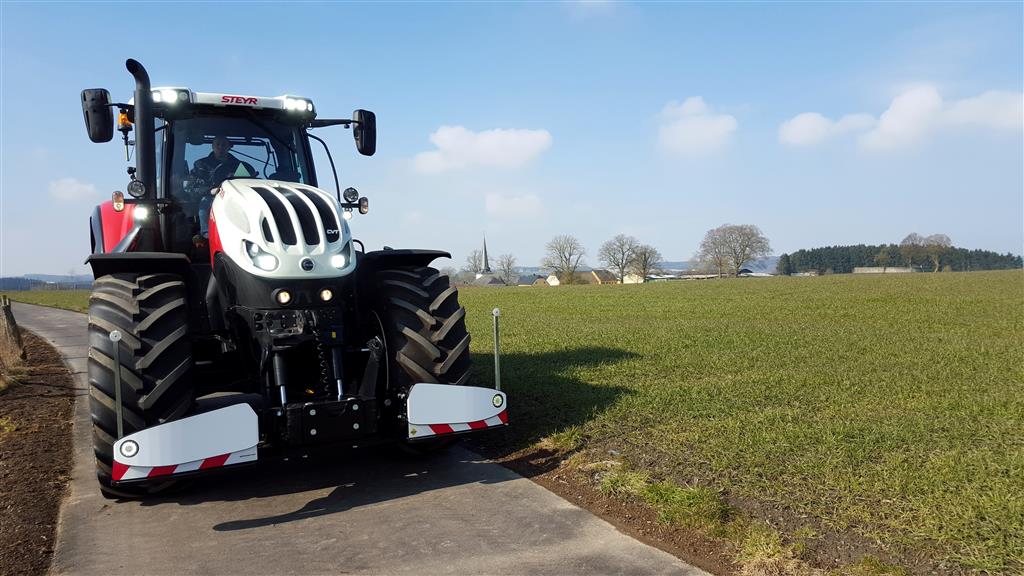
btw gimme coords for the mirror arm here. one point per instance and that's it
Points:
(337, 186)
(330, 122)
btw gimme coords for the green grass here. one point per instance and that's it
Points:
(77, 300)
(892, 406)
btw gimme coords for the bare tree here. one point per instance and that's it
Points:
(912, 248)
(474, 262)
(617, 253)
(645, 261)
(732, 246)
(712, 254)
(936, 246)
(506, 268)
(564, 256)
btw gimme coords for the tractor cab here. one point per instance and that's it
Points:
(203, 139)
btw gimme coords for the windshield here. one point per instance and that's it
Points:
(213, 149)
(206, 150)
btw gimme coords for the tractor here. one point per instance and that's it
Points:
(234, 318)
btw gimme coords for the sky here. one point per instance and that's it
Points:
(823, 124)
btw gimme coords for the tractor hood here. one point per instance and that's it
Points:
(278, 229)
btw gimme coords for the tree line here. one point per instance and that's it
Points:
(931, 253)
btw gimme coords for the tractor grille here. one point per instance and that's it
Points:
(306, 220)
(307, 204)
(331, 228)
(280, 213)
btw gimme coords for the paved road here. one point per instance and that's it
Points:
(370, 512)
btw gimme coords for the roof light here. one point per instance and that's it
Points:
(157, 97)
(141, 212)
(170, 96)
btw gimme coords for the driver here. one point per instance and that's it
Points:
(220, 164)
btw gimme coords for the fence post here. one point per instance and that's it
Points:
(9, 328)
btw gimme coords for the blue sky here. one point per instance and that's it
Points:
(820, 123)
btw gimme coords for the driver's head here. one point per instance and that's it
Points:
(221, 147)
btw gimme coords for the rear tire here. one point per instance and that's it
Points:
(425, 333)
(151, 313)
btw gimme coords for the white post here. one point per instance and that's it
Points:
(497, 351)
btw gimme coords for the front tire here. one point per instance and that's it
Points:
(155, 353)
(425, 332)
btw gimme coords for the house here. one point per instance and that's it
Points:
(604, 277)
(487, 280)
(632, 279)
(587, 277)
(527, 280)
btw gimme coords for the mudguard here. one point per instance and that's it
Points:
(436, 409)
(223, 437)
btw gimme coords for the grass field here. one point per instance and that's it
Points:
(887, 406)
(891, 406)
(77, 300)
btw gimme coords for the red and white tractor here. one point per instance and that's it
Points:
(234, 317)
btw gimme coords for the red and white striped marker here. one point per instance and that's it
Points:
(122, 472)
(425, 430)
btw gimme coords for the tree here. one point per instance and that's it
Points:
(712, 252)
(617, 253)
(449, 271)
(784, 267)
(474, 262)
(734, 245)
(936, 246)
(506, 268)
(645, 261)
(912, 248)
(564, 256)
(884, 258)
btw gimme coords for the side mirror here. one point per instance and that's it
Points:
(99, 118)
(365, 131)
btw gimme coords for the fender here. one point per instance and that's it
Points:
(140, 263)
(109, 228)
(405, 257)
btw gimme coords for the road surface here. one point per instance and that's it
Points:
(366, 512)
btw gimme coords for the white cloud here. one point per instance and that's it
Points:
(458, 147)
(910, 118)
(813, 128)
(691, 128)
(71, 189)
(524, 206)
(1003, 110)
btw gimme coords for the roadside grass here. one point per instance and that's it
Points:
(12, 366)
(891, 407)
(77, 300)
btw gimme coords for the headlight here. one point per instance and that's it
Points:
(260, 258)
(339, 261)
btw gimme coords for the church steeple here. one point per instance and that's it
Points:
(487, 262)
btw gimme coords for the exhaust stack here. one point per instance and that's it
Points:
(145, 141)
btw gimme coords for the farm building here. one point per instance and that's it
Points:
(586, 277)
(528, 279)
(881, 270)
